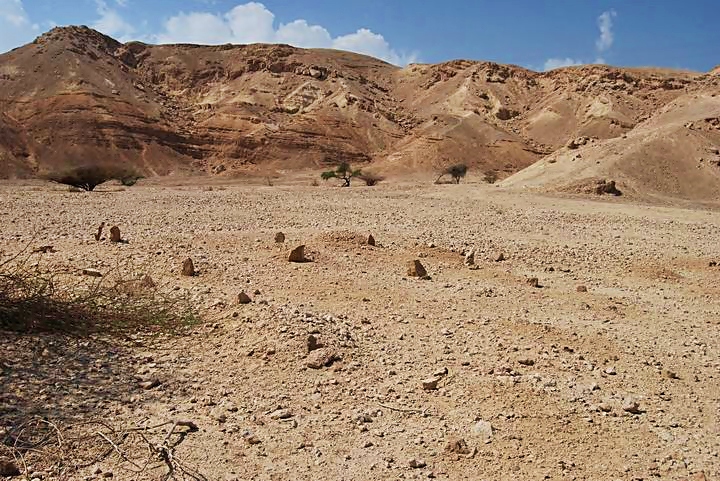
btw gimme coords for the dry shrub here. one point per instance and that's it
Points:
(33, 299)
(491, 176)
(371, 179)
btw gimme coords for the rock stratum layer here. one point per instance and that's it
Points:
(75, 96)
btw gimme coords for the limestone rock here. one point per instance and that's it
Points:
(115, 234)
(470, 258)
(297, 254)
(484, 431)
(632, 407)
(416, 269)
(430, 384)
(319, 358)
(98, 235)
(188, 268)
(92, 272)
(457, 446)
(313, 343)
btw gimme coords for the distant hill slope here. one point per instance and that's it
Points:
(75, 96)
(675, 153)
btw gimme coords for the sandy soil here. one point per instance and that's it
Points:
(619, 382)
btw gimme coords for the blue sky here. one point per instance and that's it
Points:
(538, 34)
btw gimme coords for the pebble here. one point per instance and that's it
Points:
(92, 272)
(416, 269)
(484, 430)
(150, 383)
(115, 234)
(441, 372)
(281, 414)
(631, 407)
(457, 446)
(297, 254)
(250, 438)
(188, 268)
(430, 384)
(320, 358)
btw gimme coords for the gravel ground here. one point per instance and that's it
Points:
(608, 369)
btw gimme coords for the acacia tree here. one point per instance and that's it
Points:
(457, 172)
(343, 171)
(87, 177)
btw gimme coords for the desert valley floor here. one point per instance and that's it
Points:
(607, 369)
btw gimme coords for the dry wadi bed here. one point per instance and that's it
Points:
(474, 374)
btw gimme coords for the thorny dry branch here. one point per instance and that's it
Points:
(60, 451)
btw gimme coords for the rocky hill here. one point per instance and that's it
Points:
(75, 96)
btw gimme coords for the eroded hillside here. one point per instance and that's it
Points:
(75, 96)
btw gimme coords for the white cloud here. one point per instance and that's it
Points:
(15, 25)
(369, 43)
(112, 23)
(553, 63)
(204, 28)
(253, 23)
(605, 24)
(300, 34)
(603, 43)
